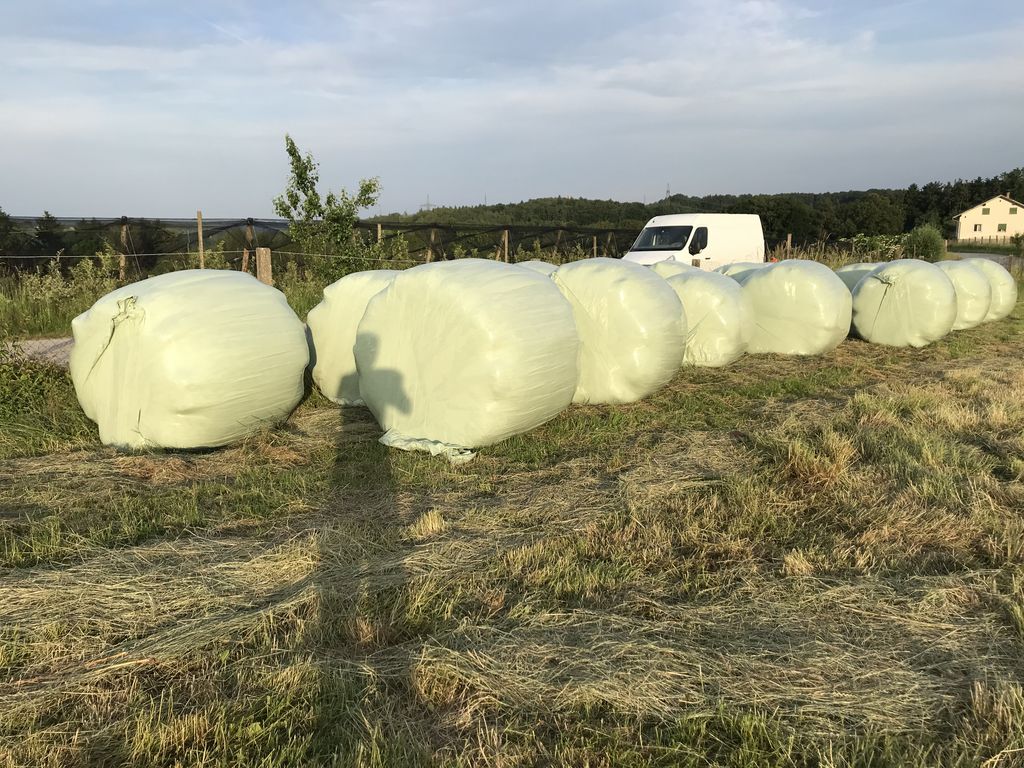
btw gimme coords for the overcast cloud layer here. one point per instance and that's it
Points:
(156, 109)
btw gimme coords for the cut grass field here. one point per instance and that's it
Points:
(787, 562)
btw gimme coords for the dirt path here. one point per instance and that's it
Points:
(56, 351)
(1004, 259)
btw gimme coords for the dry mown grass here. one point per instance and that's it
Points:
(787, 562)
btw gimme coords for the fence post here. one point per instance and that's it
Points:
(504, 244)
(121, 260)
(199, 226)
(595, 246)
(789, 244)
(380, 232)
(430, 246)
(250, 236)
(264, 270)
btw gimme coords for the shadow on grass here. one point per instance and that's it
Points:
(363, 595)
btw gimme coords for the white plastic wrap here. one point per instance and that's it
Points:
(1004, 288)
(719, 318)
(973, 293)
(740, 270)
(631, 325)
(332, 329)
(191, 359)
(851, 274)
(538, 266)
(458, 355)
(905, 303)
(800, 308)
(669, 268)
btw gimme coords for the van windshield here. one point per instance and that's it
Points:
(662, 239)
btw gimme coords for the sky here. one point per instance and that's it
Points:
(147, 108)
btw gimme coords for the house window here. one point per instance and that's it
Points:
(1001, 228)
(986, 211)
(1013, 211)
(977, 227)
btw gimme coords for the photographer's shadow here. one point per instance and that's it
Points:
(363, 585)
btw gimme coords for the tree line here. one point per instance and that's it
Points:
(809, 217)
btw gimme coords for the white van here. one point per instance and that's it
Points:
(705, 240)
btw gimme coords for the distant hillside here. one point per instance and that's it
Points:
(808, 216)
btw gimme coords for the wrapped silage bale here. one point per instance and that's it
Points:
(905, 303)
(800, 308)
(458, 355)
(851, 274)
(191, 359)
(740, 270)
(670, 267)
(631, 326)
(719, 318)
(1004, 288)
(973, 293)
(332, 329)
(538, 266)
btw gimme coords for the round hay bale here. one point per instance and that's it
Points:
(973, 293)
(740, 270)
(800, 308)
(851, 274)
(905, 303)
(719, 318)
(462, 354)
(1004, 288)
(631, 327)
(332, 328)
(191, 359)
(538, 266)
(670, 268)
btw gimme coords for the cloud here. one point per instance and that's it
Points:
(457, 99)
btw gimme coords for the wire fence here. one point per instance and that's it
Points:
(145, 240)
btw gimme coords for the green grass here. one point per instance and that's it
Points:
(786, 562)
(38, 410)
(43, 304)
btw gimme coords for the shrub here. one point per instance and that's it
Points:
(924, 242)
(873, 247)
(38, 409)
(44, 302)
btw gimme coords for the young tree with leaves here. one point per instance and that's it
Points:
(322, 227)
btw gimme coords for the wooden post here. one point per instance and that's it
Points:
(199, 226)
(430, 247)
(595, 246)
(250, 236)
(380, 232)
(121, 261)
(789, 244)
(264, 270)
(558, 242)
(504, 244)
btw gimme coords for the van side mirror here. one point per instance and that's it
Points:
(699, 241)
